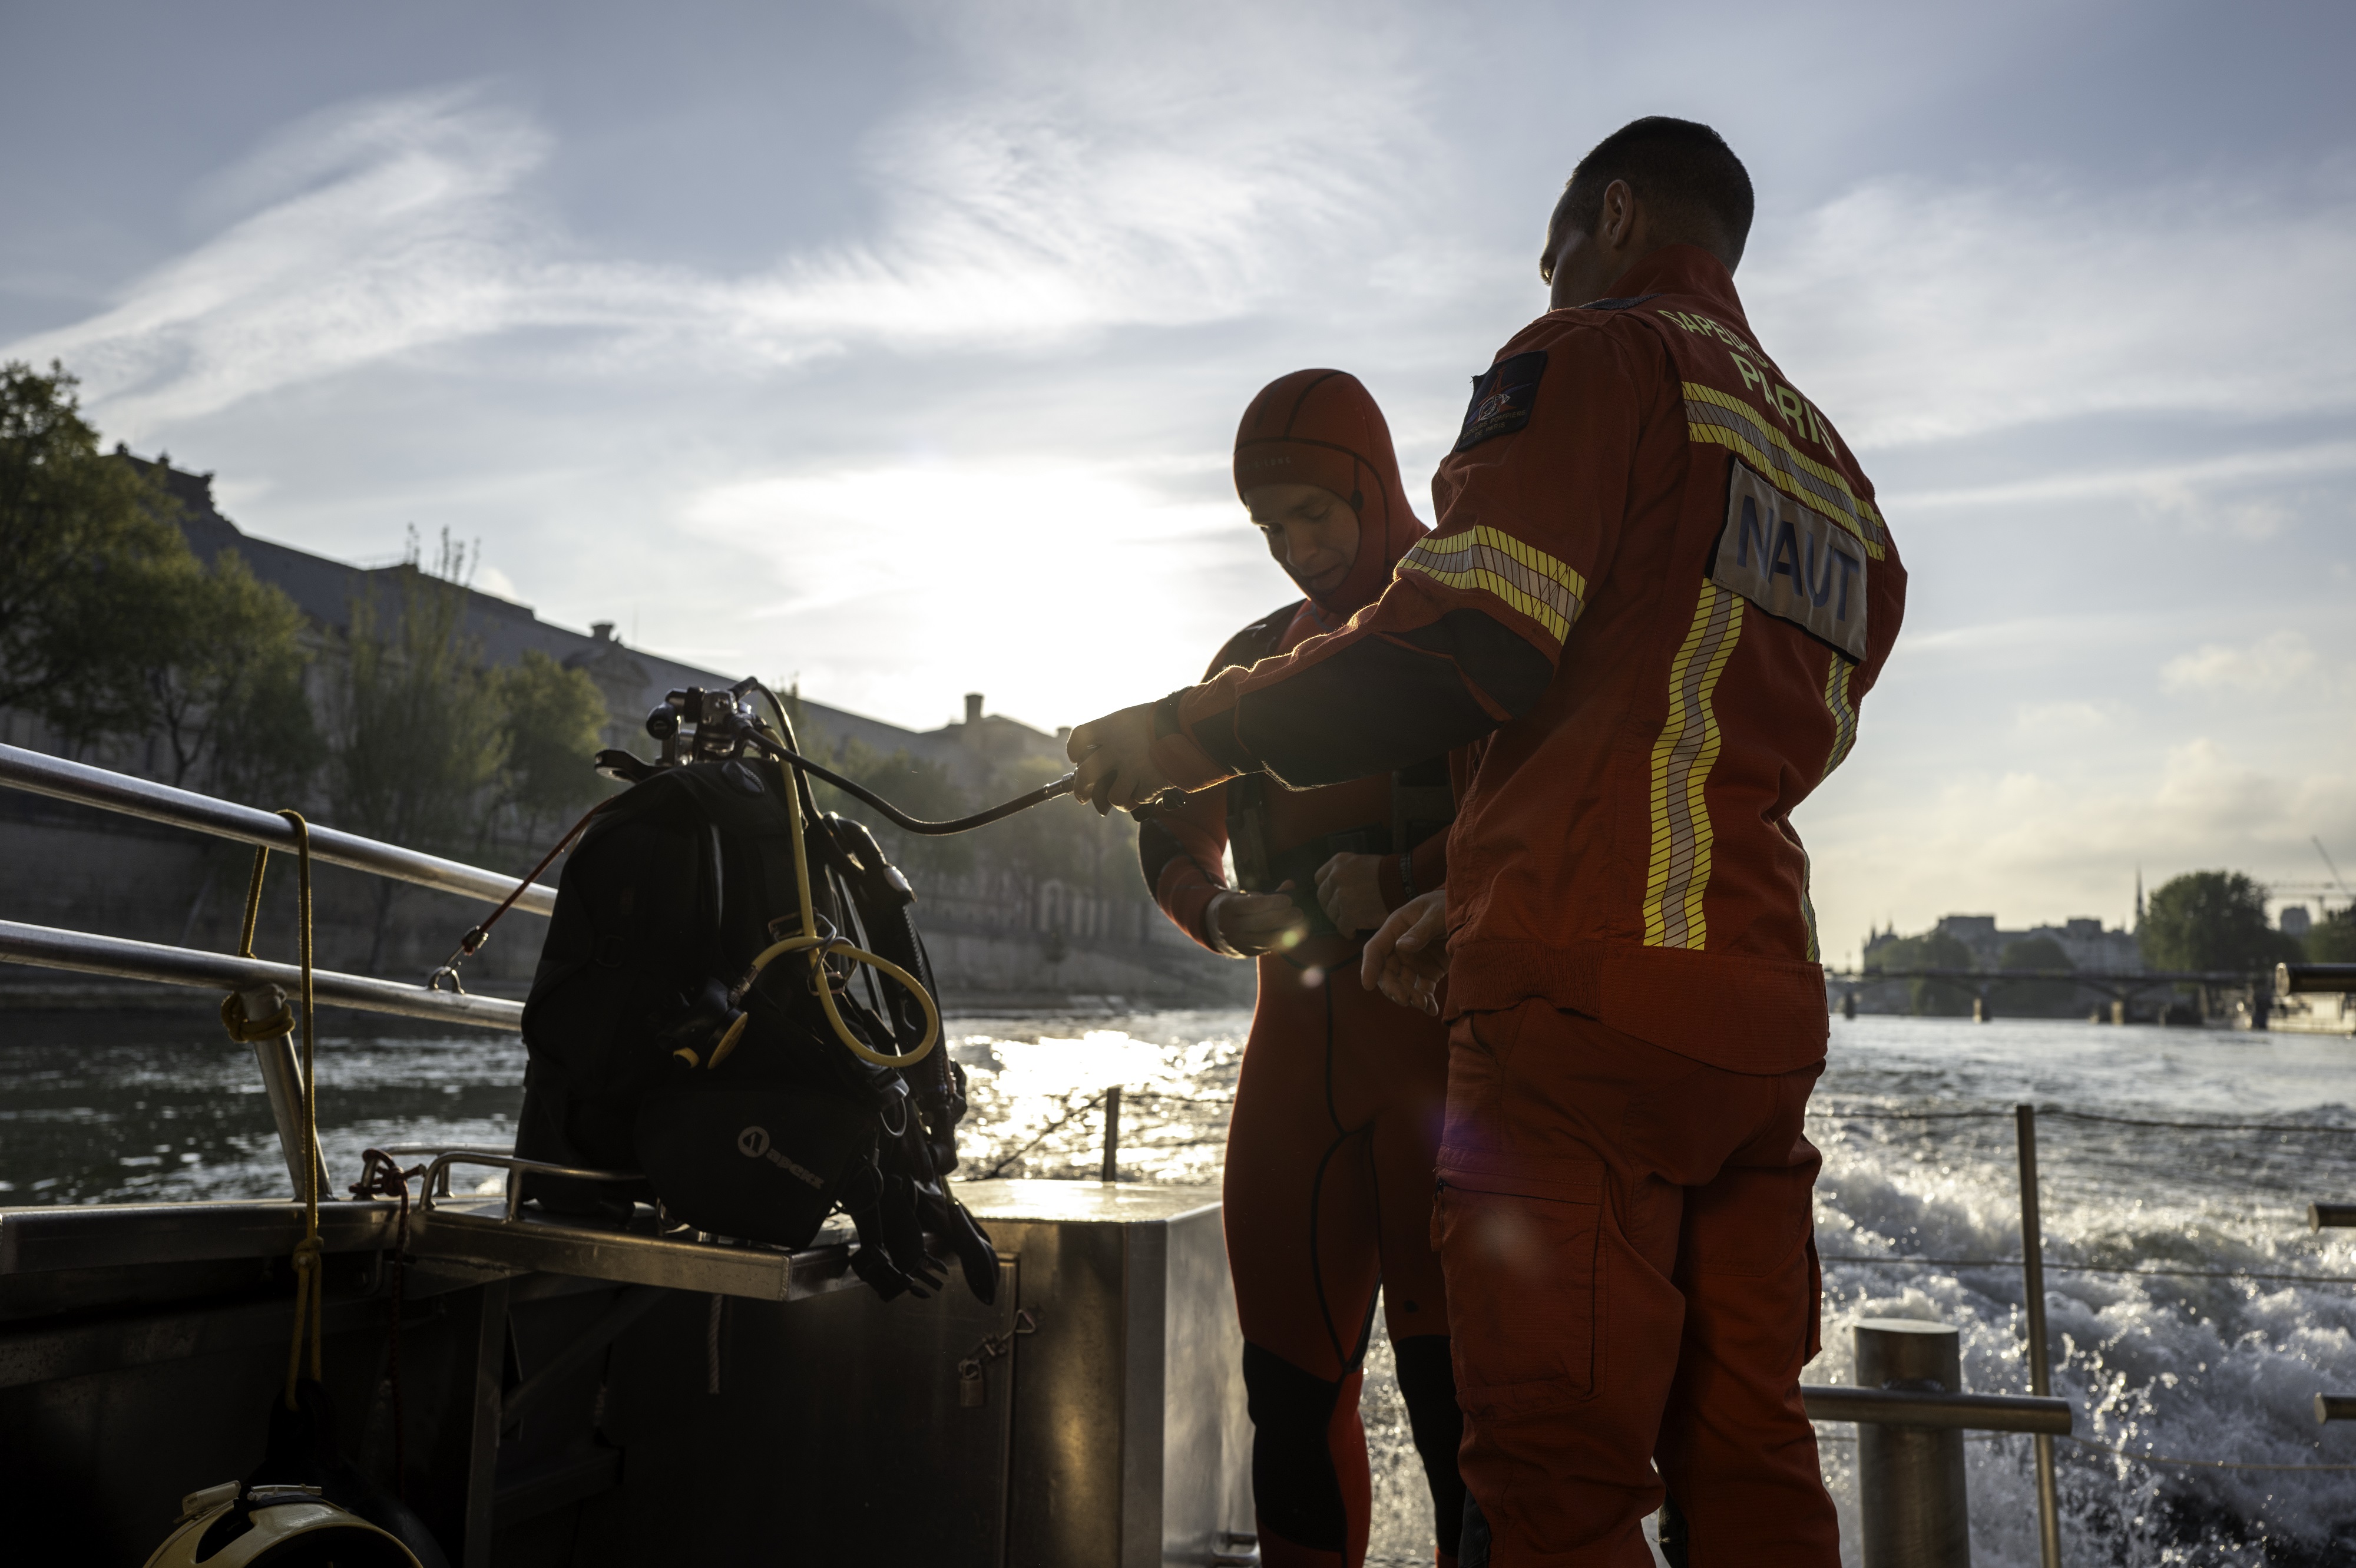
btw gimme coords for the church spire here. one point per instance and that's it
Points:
(2138, 921)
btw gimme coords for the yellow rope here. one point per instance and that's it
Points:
(244, 1029)
(310, 1305)
(253, 899)
(817, 947)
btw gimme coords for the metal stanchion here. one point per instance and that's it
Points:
(2332, 1216)
(2040, 1376)
(1111, 1171)
(282, 1080)
(1910, 1479)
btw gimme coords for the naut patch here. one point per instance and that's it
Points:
(1503, 400)
(1796, 565)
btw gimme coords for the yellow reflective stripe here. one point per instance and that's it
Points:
(1728, 421)
(1682, 758)
(1843, 708)
(1844, 712)
(1808, 908)
(1488, 560)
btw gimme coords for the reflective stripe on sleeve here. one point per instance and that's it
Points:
(1843, 709)
(1682, 758)
(1489, 561)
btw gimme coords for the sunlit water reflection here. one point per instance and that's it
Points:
(142, 1109)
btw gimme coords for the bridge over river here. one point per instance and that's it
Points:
(2121, 986)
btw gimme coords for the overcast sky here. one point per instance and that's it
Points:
(898, 347)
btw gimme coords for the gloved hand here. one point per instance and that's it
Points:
(904, 1237)
(891, 1259)
(945, 1217)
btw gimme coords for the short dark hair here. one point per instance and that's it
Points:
(1683, 168)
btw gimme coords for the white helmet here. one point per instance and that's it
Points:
(228, 1526)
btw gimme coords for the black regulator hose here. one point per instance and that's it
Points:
(900, 818)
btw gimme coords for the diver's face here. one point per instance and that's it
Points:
(1311, 531)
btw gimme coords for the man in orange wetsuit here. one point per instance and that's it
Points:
(1338, 1109)
(1660, 586)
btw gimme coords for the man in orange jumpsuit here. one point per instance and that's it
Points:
(1338, 1111)
(1660, 586)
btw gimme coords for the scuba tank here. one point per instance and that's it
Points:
(734, 1000)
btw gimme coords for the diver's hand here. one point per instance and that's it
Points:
(1350, 891)
(1115, 760)
(1250, 924)
(1408, 958)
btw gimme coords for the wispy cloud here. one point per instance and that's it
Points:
(385, 228)
(1927, 314)
(1147, 179)
(2159, 483)
(2277, 660)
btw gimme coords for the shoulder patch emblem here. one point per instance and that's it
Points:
(1503, 400)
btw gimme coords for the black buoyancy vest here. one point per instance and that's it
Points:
(674, 890)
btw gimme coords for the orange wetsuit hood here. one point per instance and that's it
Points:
(1322, 427)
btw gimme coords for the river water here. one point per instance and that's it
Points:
(2158, 1366)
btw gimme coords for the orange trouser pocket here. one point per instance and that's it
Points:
(1519, 1250)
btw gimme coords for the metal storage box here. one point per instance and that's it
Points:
(1131, 1444)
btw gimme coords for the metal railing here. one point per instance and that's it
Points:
(1937, 1412)
(48, 947)
(260, 984)
(144, 798)
(1913, 1502)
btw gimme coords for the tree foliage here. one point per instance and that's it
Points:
(1050, 843)
(2035, 998)
(2332, 939)
(223, 659)
(81, 539)
(2212, 920)
(267, 743)
(1060, 841)
(1932, 950)
(555, 719)
(919, 787)
(418, 728)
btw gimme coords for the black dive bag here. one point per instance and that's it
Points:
(674, 890)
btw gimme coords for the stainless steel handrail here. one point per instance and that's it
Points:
(88, 786)
(45, 947)
(1968, 1413)
(437, 1174)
